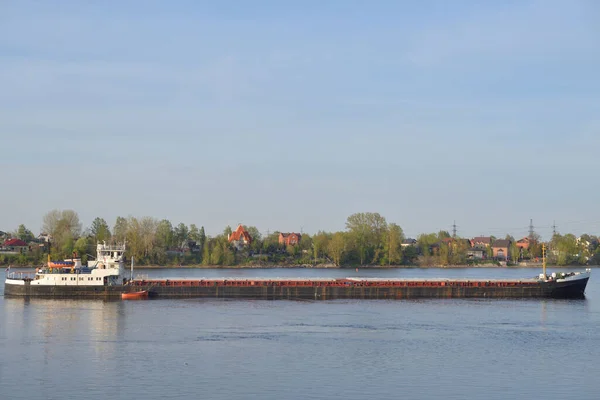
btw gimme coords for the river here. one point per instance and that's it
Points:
(352, 349)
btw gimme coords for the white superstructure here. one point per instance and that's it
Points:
(107, 270)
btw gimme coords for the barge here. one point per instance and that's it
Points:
(105, 278)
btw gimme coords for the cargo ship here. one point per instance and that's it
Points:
(106, 278)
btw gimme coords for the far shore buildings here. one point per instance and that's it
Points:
(239, 238)
(523, 243)
(481, 241)
(408, 242)
(501, 249)
(289, 239)
(15, 246)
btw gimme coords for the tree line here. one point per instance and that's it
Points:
(367, 240)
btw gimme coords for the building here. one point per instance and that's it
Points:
(485, 241)
(289, 239)
(408, 242)
(15, 246)
(44, 237)
(239, 238)
(501, 249)
(477, 253)
(523, 243)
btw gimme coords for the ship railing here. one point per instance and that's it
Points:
(20, 275)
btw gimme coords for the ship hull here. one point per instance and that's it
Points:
(312, 290)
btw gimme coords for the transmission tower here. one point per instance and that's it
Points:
(531, 229)
(553, 228)
(454, 229)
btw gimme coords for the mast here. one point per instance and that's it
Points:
(131, 267)
(544, 259)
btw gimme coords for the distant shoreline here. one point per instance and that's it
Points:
(331, 266)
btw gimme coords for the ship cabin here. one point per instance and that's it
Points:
(106, 270)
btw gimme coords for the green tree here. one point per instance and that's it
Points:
(443, 256)
(306, 243)
(81, 247)
(180, 235)
(270, 243)
(67, 245)
(411, 254)
(135, 242)
(206, 253)
(164, 235)
(100, 230)
(515, 252)
(216, 255)
(564, 249)
(425, 241)
(336, 247)
(228, 254)
(147, 228)
(24, 234)
(194, 233)
(393, 245)
(320, 244)
(120, 230)
(443, 235)
(201, 238)
(366, 231)
(254, 233)
(63, 227)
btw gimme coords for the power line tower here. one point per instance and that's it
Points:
(454, 229)
(531, 232)
(553, 228)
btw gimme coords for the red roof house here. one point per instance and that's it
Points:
(524, 243)
(15, 243)
(481, 241)
(240, 237)
(15, 246)
(289, 239)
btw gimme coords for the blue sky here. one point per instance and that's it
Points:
(294, 115)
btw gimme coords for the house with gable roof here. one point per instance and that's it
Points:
(523, 243)
(15, 246)
(239, 238)
(481, 241)
(289, 239)
(501, 249)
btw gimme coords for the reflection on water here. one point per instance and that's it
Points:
(58, 323)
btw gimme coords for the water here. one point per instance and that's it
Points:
(223, 349)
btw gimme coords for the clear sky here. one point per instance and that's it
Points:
(292, 115)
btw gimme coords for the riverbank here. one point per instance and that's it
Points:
(332, 266)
